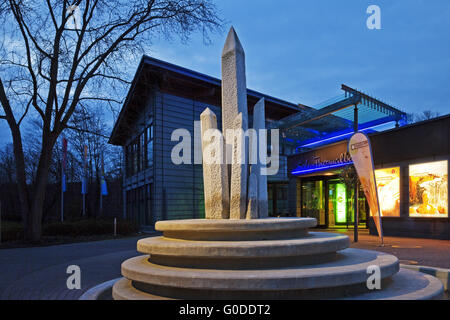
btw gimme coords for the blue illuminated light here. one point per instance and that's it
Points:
(344, 134)
(327, 139)
(338, 165)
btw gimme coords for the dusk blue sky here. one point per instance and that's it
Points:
(302, 51)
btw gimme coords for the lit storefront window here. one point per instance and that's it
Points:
(428, 190)
(388, 185)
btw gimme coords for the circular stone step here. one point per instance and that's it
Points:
(405, 285)
(350, 267)
(236, 230)
(313, 248)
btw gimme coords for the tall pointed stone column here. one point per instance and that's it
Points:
(215, 171)
(238, 184)
(259, 124)
(234, 102)
(252, 207)
(234, 87)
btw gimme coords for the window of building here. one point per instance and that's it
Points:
(129, 160)
(139, 205)
(149, 146)
(142, 151)
(135, 152)
(388, 185)
(149, 216)
(139, 153)
(428, 190)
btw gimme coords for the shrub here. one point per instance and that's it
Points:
(11, 231)
(89, 228)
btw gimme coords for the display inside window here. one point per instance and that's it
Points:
(428, 190)
(341, 203)
(388, 186)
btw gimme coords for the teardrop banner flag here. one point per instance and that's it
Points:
(361, 153)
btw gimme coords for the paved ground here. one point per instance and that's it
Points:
(40, 272)
(425, 252)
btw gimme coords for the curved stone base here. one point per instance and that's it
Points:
(261, 259)
(405, 285)
(236, 230)
(349, 267)
(102, 291)
(315, 247)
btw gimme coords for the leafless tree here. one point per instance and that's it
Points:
(7, 166)
(422, 116)
(56, 54)
(88, 128)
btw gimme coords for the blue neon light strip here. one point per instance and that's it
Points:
(343, 135)
(339, 165)
(327, 139)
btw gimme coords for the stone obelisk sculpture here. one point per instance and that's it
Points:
(252, 207)
(238, 187)
(259, 124)
(234, 102)
(215, 172)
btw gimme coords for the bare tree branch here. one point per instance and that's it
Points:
(54, 68)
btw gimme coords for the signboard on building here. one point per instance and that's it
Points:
(322, 159)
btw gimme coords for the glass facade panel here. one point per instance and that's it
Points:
(331, 202)
(149, 146)
(139, 153)
(139, 205)
(282, 200)
(313, 200)
(270, 200)
(277, 200)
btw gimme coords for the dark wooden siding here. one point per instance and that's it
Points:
(178, 189)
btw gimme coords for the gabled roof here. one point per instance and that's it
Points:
(187, 83)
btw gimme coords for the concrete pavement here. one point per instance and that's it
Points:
(40, 272)
(412, 251)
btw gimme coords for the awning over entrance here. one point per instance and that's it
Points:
(334, 120)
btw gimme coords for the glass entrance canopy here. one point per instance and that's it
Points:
(334, 120)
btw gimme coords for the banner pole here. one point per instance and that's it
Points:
(101, 186)
(62, 196)
(63, 182)
(355, 205)
(85, 180)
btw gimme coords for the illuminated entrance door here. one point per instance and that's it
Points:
(339, 204)
(313, 201)
(332, 203)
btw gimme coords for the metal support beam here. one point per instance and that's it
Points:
(373, 101)
(304, 117)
